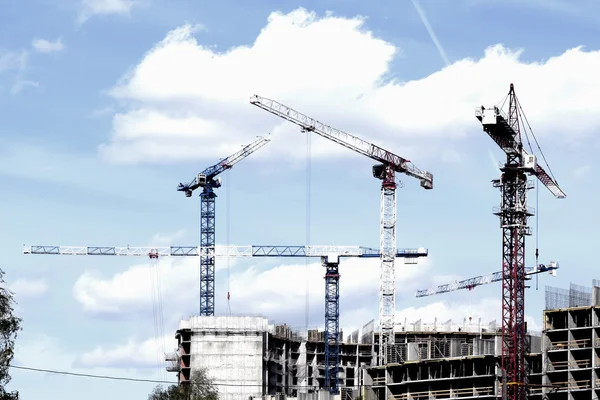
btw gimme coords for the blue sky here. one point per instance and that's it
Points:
(108, 104)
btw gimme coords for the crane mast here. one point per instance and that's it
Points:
(208, 181)
(514, 213)
(389, 165)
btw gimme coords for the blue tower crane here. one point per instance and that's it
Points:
(208, 181)
(330, 259)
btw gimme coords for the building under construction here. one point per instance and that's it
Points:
(254, 359)
(430, 360)
(571, 342)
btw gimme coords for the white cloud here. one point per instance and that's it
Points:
(25, 288)
(489, 309)
(132, 291)
(17, 62)
(13, 60)
(187, 100)
(47, 352)
(20, 83)
(582, 171)
(276, 292)
(280, 292)
(90, 8)
(101, 112)
(135, 353)
(41, 351)
(562, 6)
(161, 239)
(47, 46)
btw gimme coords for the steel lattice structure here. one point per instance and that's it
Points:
(332, 322)
(329, 255)
(390, 164)
(387, 292)
(208, 181)
(513, 213)
(207, 258)
(472, 283)
(220, 251)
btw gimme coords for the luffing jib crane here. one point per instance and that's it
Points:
(390, 164)
(472, 283)
(329, 255)
(208, 181)
(505, 130)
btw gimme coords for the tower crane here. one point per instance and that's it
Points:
(472, 283)
(208, 181)
(505, 131)
(389, 165)
(329, 255)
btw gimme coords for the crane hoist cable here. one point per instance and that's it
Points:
(526, 128)
(158, 314)
(307, 227)
(307, 240)
(537, 252)
(227, 236)
(537, 230)
(161, 316)
(154, 310)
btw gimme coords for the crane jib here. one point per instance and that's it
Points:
(345, 139)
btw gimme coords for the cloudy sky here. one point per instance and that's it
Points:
(108, 104)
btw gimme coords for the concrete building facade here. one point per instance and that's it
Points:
(247, 357)
(231, 349)
(571, 357)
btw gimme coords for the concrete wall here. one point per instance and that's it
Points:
(232, 350)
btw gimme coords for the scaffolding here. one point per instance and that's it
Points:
(575, 296)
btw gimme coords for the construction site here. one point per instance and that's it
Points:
(252, 358)
(439, 360)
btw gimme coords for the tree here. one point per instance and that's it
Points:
(170, 393)
(9, 326)
(201, 387)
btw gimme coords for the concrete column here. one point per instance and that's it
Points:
(596, 296)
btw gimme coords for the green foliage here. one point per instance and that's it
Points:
(201, 387)
(9, 326)
(170, 393)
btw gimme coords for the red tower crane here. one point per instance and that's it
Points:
(506, 131)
